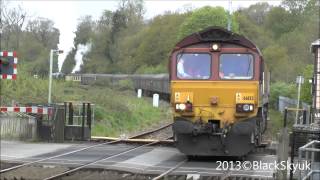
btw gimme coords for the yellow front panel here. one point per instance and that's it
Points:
(228, 93)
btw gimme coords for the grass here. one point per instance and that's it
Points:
(117, 110)
(275, 123)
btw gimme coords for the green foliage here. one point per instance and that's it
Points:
(281, 89)
(206, 17)
(158, 40)
(25, 89)
(256, 13)
(283, 34)
(32, 43)
(84, 30)
(279, 21)
(116, 112)
(69, 62)
(306, 95)
(152, 69)
(103, 82)
(123, 43)
(253, 31)
(275, 124)
(277, 59)
(125, 84)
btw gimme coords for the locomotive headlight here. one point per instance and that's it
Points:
(182, 106)
(246, 107)
(215, 47)
(251, 107)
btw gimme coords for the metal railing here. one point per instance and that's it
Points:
(310, 153)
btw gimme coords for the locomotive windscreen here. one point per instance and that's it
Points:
(193, 66)
(236, 66)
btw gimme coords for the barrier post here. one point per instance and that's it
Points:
(139, 93)
(70, 118)
(155, 100)
(89, 115)
(83, 119)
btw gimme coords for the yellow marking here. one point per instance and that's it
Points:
(182, 97)
(245, 98)
(238, 97)
(177, 97)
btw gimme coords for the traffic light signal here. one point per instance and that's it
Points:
(8, 65)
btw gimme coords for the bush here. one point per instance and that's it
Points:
(161, 68)
(103, 82)
(125, 84)
(281, 89)
(205, 17)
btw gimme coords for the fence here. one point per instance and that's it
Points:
(18, 126)
(285, 102)
(290, 103)
(310, 153)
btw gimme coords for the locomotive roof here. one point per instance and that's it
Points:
(216, 34)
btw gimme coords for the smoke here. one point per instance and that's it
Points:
(81, 50)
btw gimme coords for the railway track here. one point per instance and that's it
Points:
(153, 133)
(114, 159)
(98, 160)
(125, 163)
(163, 133)
(136, 138)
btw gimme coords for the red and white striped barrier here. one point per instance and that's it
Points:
(32, 109)
(15, 62)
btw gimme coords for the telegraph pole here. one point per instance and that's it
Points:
(229, 16)
(50, 72)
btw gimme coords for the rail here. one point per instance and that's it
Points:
(170, 170)
(98, 160)
(153, 131)
(86, 148)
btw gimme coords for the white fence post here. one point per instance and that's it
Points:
(139, 93)
(155, 100)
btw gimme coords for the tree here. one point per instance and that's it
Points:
(206, 17)
(256, 33)
(44, 31)
(148, 49)
(257, 12)
(109, 33)
(306, 95)
(84, 30)
(69, 63)
(277, 59)
(279, 21)
(296, 7)
(13, 20)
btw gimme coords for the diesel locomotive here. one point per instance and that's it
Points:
(219, 94)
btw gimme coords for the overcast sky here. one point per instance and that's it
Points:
(65, 14)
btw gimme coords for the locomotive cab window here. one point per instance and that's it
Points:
(236, 66)
(193, 66)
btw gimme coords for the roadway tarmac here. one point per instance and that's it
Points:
(148, 160)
